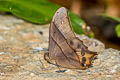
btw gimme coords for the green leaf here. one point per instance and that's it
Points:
(38, 11)
(77, 23)
(118, 30)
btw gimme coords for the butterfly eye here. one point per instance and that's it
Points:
(83, 61)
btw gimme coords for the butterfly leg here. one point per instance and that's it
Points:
(46, 57)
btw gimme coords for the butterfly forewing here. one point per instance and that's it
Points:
(61, 20)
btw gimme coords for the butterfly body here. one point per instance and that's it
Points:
(65, 49)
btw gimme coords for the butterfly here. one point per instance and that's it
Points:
(65, 49)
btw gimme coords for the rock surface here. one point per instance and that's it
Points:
(22, 48)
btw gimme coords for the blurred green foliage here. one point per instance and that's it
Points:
(118, 30)
(76, 23)
(116, 27)
(38, 11)
(114, 18)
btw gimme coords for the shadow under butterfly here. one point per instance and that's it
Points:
(65, 49)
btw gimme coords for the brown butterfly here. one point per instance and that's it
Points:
(65, 49)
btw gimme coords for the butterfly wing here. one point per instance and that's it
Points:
(61, 51)
(62, 22)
